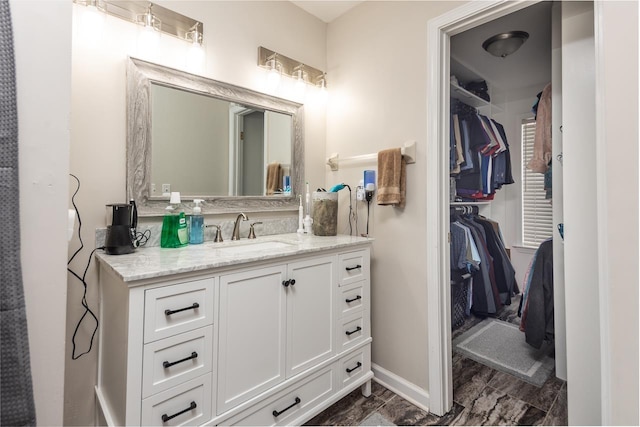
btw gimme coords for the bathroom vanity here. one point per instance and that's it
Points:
(264, 332)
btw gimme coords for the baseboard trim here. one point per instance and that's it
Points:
(401, 387)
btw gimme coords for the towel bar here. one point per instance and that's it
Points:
(408, 152)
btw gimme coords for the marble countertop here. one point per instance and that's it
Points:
(149, 263)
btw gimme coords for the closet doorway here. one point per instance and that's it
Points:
(493, 100)
(440, 32)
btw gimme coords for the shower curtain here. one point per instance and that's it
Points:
(16, 395)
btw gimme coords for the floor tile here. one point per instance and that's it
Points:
(494, 407)
(381, 391)
(469, 379)
(558, 415)
(446, 419)
(350, 410)
(403, 413)
(532, 417)
(540, 397)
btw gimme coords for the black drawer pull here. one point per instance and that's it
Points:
(350, 300)
(166, 417)
(353, 369)
(293, 282)
(353, 268)
(277, 414)
(358, 329)
(170, 312)
(169, 364)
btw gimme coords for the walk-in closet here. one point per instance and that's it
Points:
(505, 179)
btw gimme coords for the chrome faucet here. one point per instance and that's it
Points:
(236, 226)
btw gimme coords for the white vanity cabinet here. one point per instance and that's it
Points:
(274, 323)
(268, 341)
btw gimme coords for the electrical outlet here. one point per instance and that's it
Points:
(166, 188)
(360, 194)
(153, 189)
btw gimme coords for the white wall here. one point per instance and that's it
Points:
(376, 56)
(233, 31)
(580, 214)
(43, 90)
(618, 156)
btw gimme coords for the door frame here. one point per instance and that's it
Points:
(439, 32)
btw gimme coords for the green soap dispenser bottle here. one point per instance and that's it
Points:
(174, 225)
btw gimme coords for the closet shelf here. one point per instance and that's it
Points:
(468, 203)
(460, 93)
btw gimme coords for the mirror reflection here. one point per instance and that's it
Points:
(230, 146)
(204, 146)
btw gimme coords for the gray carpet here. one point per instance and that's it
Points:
(376, 419)
(502, 346)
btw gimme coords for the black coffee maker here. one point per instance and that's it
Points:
(122, 220)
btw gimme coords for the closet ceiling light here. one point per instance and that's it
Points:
(504, 44)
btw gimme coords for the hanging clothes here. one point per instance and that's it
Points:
(542, 139)
(477, 252)
(479, 154)
(536, 304)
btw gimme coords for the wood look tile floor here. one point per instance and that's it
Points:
(481, 396)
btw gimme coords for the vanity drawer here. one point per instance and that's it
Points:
(285, 406)
(353, 330)
(355, 365)
(174, 360)
(186, 404)
(353, 299)
(174, 309)
(353, 267)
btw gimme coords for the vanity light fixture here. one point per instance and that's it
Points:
(322, 82)
(275, 69)
(93, 4)
(300, 77)
(300, 72)
(194, 35)
(504, 44)
(151, 16)
(149, 20)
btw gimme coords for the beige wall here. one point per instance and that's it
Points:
(377, 63)
(233, 33)
(365, 51)
(43, 92)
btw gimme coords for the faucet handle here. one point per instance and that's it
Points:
(218, 237)
(252, 233)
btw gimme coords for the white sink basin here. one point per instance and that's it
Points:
(242, 248)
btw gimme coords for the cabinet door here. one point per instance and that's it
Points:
(251, 335)
(310, 313)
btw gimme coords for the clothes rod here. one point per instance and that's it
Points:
(408, 152)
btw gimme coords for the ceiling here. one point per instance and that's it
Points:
(528, 66)
(326, 10)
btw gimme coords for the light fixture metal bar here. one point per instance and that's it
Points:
(289, 65)
(173, 23)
